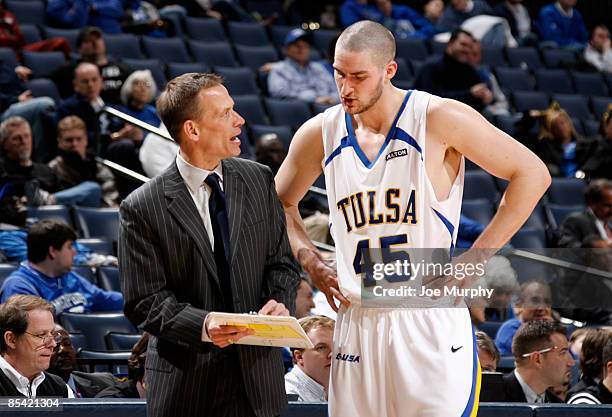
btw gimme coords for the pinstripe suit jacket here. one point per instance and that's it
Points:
(170, 283)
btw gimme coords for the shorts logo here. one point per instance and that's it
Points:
(347, 358)
(395, 154)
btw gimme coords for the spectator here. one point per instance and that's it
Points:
(576, 340)
(353, 11)
(602, 392)
(560, 24)
(76, 14)
(534, 303)
(92, 48)
(296, 77)
(403, 21)
(83, 384)
(595, 220)
(48, 274)
(303, 299)
(11, 37)
(598, 52)
(156, 153)
(488, 355)
(309, 378)
(452, 76)
(591, 365)
(27, 342)
(501, 278)
(458, 11)
(518, 19)
(469, 230)
(543, 361)
(137, 93)
(432, 10)
(17, 100)
(136, 367)
(270, 151)
(499, 106)
(75, 165)
(36, 181)
(143, 18)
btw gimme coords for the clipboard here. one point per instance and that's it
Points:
(279, 331)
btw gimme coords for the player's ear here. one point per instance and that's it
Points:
(298, 358)
(390, 69)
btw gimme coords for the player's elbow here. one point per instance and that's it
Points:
(540, 176)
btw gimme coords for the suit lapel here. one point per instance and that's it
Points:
(184, 211)
(234, 188)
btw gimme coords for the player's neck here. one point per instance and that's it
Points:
(379, 117)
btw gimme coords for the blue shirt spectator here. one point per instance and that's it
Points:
(505, 334)
(458, 11)
(75, 14)
(353, 11)
(562, 24)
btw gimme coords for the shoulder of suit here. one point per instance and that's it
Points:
(153, 186)
(249, 168)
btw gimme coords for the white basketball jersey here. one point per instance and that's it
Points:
(388, 202)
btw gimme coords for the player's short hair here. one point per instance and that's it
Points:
(591, 363)
(534, 335)
(7, 126)
(178, 102)
(46, 234)
(70, 123)
(314, 322)
(368, 36)
(484, 342)
(595, 191)
(14, 314)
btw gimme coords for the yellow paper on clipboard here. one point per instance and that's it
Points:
(269, 330)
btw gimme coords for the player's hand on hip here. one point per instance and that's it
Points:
(224, 335)
(323, 277)
(274, 308)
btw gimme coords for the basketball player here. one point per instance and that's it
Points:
(394, 166)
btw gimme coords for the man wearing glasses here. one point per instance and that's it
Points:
(541, 351)
(27, 343)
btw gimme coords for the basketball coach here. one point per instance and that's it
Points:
(206, 235)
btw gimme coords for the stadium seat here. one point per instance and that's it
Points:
(247, 34)
(437, 48)
(8, 57)
(208, 30)
(43, 64)
(30, 33)
(238, 81)
(567, 191)
(529, 100)
(44, 87)
(524, 57)
(600, 105)
(101, 246)
(288, 112)
(278, 33)
(557, 213)
(121, 341)
(493, 56)
(506, 364)
(176, 18)
(317, 108)
(411, 49)
(124, 45)
(537, 218)
(507, 124)
(108, 278)
(78, 340)
(95, 326)
(179, 68)
(590, 127)
(27, 11)
(246, 150)
(256, 56)
(213, 54)
(480, 210)
(113, 362)
(514, 79)
(529, 238)
(321, 38)
(6, 270)
(86, 272)
(54, 212)
(284, 133)
(589, 83)
(575, 105)
(480, 184)
(251, 109)
(154, 65)
(69, 34)
(490, 328)
(98, 222)
(404, 71)
(553, 81)
(556, 58)
(166, 49)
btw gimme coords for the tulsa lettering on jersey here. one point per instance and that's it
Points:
(347, 358)
(360, 209)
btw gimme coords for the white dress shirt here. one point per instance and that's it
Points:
(22, 383)
(307, 389)
(531, 396)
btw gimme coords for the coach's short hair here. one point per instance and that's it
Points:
(14, 314)
(534, 335)
(178, 102)
(368, 36)
(46, 234)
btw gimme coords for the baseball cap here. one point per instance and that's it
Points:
(294, 35)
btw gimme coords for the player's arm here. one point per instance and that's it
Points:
(301, 168)
(462, 128)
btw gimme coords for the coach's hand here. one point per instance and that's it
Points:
(224, 335)
(323, 277)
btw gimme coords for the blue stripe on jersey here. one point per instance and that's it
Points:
(405, 137)
(343, 144)
(449, 226)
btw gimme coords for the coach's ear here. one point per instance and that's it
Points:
(298, 357)
(191, 131)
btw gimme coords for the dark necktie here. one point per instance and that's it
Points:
(218, 219)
